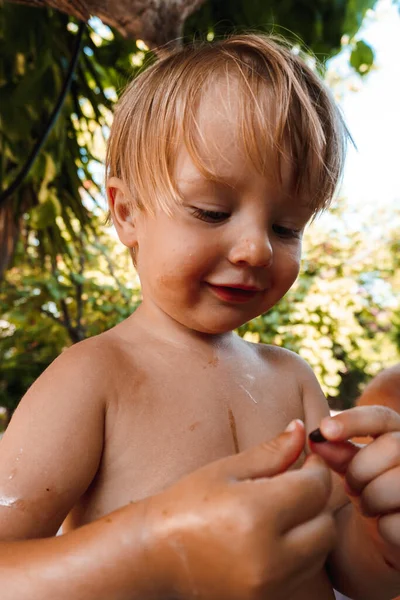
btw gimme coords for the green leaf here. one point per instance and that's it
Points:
(44, 215)
(362, 57)
(50, 171)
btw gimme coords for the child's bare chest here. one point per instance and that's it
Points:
(177, 415)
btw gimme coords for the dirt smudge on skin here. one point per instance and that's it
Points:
(232, 424)
(213, 362)
(193, 426)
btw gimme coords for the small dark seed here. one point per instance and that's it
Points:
(317, 437)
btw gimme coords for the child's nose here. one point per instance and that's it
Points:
(254, 250)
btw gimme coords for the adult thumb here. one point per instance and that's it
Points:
(266, 459)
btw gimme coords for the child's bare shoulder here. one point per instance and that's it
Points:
(284, 359)
(289, 366)
(97, 349)
(92, 364)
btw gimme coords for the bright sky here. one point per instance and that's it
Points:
(371, 106)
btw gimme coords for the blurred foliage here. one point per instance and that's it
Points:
(35, 62)
(48, 305)
(317, 26)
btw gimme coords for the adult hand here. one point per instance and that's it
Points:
(371, 473)
(244, 527)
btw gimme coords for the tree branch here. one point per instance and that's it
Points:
(48, 313)
(156, 22)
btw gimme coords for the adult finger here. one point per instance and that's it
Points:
(266, 459)
(373, 460)
(389, 528)
(360, 421)
(382, 494)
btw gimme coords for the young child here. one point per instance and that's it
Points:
(218, 157)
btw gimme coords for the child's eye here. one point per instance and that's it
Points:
(210, 216)
(286, 232)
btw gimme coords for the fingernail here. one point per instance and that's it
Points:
(332, 427)
(317, 437)
(292, 425)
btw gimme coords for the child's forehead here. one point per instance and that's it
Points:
(215, 129)
(223, 111)
(222, 140)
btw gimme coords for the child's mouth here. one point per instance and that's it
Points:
(233, 294)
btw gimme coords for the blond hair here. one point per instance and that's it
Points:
(158, 110)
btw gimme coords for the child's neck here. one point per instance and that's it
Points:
(165, 328)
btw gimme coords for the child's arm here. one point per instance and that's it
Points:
(101, 561)
(240, 527)
(51, 450)
(357, 565)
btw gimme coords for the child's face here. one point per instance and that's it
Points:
(232, 249)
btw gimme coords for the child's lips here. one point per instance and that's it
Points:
(235, 293)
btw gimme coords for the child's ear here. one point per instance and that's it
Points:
(121, 211)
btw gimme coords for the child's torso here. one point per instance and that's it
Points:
(175, 410)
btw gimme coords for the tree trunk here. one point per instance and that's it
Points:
(156, 22)
(10, 227)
